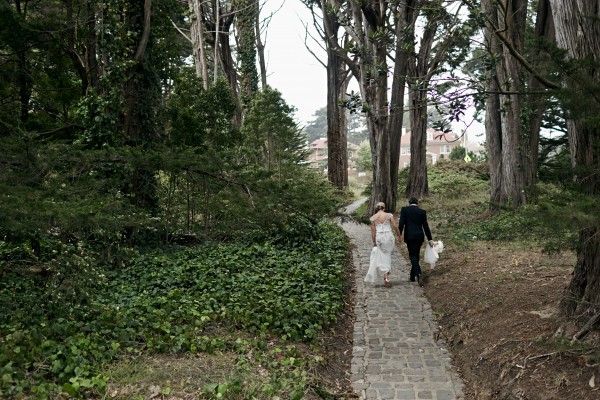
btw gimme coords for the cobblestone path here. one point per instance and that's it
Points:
(395, 353)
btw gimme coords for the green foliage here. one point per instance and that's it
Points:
(364, 160)
(272, 138)
(167, 302)
(317, 128)
(357, 131)
(247, 49)
(200, 118)
(458, 153)
(459, 195)
(507, 225)
(449, 182)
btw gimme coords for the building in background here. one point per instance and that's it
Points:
(317, 156)
(439, 146)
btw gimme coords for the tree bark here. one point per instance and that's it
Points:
(337, 143)
(246, 50)
(544, 30)
(406, 13)
(506, 18)
(493, 125)
(417, 185)
(91, 47)
(197, 37)
(578, 31)
(219, 20)
(512, 20)
(420, 71)
(23, 74)
(372, 18)
(139, 93)
(260, 49)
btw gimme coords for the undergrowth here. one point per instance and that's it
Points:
(282, 284)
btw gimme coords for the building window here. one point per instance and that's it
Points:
(405, 151)
(429, 136)
(445, 149)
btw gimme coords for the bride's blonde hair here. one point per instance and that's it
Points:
(380, 206)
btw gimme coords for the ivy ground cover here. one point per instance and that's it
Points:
(185, 300)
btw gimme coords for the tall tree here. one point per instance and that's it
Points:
(505, 27)
(271, 134)
(536, 103)
(140, 97)
(493, 125)
(247, 49)
(218, 17)
(404, 34)
(578, 32)
(375, 28)
(337, 137)
(444, 34)
(198, 41)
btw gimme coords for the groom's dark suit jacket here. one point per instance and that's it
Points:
(413, 221)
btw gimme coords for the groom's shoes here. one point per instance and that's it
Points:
(412, 278)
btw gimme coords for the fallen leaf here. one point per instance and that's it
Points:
(592, 381)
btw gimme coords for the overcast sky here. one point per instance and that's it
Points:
(292, 69)
(295, 72)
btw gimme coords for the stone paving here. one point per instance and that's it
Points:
(395, 354)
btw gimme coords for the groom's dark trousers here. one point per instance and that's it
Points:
(414, 227)
(414, 248)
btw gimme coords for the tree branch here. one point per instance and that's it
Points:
(139, 54)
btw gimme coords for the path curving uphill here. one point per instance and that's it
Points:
(395, 352)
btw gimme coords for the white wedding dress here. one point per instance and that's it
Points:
(381, 256)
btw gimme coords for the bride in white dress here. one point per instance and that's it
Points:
(382, 224)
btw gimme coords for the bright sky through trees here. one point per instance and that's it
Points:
(292, 69)
(295, 72)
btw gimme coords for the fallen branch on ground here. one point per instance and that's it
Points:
(586, 328)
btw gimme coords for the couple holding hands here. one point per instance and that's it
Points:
(413, 223)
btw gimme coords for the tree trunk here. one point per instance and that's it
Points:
(246, 50)
(420, 69)
(380, 137)
(493, 125)
(197, 37)
(509, 76)
(417, 185)
(578, 31)
(91, 47)
(373, 85)
(219, 21)
(139, 97)
(231, 74)
(405, 17)
(24, 73)
(337, 144)
(260, 49)
(544, 30)
(503, 123)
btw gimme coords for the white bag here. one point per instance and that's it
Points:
(431, 255)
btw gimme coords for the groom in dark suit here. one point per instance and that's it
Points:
(414, 227)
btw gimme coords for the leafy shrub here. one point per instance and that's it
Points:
(452, 183)
(167, 301)
(502, 226)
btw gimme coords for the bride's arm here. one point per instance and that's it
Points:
(373, 233)
(395, 225)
